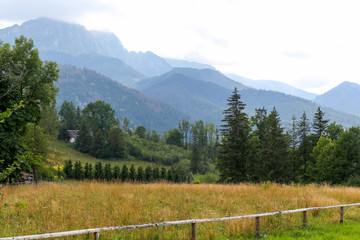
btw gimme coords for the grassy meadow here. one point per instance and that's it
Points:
(59, 152)
(54, 207)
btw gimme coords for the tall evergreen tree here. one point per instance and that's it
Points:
(234, 150)
(116, 143)
(98, 147)
(84, 140)
(319, 123)
(305, 147)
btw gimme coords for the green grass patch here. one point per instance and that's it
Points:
(59, 152)
(347, 230)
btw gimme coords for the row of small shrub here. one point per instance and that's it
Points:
(78, 171)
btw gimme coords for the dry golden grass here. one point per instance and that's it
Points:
(54, 207)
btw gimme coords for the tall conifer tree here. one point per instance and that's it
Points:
(234, 150)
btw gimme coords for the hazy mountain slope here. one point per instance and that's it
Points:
(176, 63)
(110, 67)
(184, 93)
(206, 75)
(82, 86)
(74, 39)
(288, 105)
(273, 86)
(206, 100)
(344, 97)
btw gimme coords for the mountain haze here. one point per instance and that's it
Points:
(74, 39)
(205, 98)
(82, 86)
(344, 97)
(273, 86)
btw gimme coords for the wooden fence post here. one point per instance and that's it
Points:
(257, 227)
(305, 218)
(341, 214)
(96, 235)
(193, 231)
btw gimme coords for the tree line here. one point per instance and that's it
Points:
(78, 171)
(258, 149)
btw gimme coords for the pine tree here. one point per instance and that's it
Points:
(116, 143)
(305, 147)
(88, 171)
(78, 173)
(132, 173)
(156, 174)
(319, 123)
(68, 169)
(98, 147)
(124, 173)
(148, 174)
(116, 173)
(84, 140)
(99, 173)
(140, 174)
(234, 150)
(163, 173)
(107, 172)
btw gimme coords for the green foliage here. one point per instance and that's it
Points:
(100, 117)
(26, 87)
(234, 150)
(174, 137)
(68, 119)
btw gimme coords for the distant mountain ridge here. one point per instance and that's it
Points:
(273, 86)
(113, 68)
(75, 39)
(201, 97)
(344, 97)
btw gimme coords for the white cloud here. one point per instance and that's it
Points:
(289, 41)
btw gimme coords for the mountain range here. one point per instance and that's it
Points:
(167, 90)
(344, 97)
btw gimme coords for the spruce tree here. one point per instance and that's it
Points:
(107, 172)
(84, 140)
(116, 173)
(68, 169)
(99, 173)
(132, 173)
(78, 173)
(124, 173)
(319, 123)
(234, 150)
(163, 173)
(140, 174)
(156, 174)
(148, 174)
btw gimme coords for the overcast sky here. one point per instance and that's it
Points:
(313, 45)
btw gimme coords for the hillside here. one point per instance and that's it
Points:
(205, 98)
(177, 63)
(82, 86)
(204, 75)
(273, 86)
(110, 67)
(344, 97)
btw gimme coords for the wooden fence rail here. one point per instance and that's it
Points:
(193, 222)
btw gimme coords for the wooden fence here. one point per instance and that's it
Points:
(96, 231)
